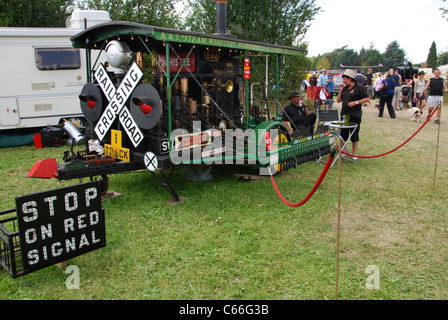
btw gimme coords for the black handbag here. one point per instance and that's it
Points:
(385, 86)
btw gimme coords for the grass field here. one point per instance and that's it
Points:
(233, 239)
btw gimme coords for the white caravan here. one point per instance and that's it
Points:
(42, 74)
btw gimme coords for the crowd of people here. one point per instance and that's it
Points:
(358, 90)
(389, 90)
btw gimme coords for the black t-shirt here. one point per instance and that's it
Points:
(296, 113)
(357, 93)
(436, 87)
(369, 77)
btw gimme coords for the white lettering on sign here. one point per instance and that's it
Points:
(117, 99)
(105, 82)
(57, 225)
(130, 126)
(50, 201)
(57, 248)
(91, 194)
(26, 210)
(176, 63)
(67, 200)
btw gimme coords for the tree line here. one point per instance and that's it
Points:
(282, 22)
(394, 56)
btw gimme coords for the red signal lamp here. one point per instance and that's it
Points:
(145, 108)
(90, 103)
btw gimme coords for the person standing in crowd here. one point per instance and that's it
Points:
(377, 85)
(386, 96)
(352, 95)
(418, 89)
(369, 83)
(436, 87)
(313, 80)
(360, 78)
(395, 75)
(412, 94)
(298, 115)
(323, 78)
(330, 86)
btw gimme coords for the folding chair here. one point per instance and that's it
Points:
(324, 119)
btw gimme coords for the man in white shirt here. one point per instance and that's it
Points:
(323, 78)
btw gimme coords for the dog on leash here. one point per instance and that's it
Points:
(415, 114)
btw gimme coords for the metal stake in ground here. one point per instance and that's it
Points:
(338, 226)
(437, 147)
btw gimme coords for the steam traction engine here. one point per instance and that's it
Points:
(167, 97)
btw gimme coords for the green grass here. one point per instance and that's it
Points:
(236, 240)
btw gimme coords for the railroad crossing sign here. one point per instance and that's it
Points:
(117, 99)
(151, 161)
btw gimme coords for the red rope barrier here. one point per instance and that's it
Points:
(395, 149)
(316, 186)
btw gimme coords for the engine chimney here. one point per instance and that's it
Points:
(221, 18)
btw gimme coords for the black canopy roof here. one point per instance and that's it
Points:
(133, 33)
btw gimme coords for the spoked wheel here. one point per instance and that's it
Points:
(104, 184)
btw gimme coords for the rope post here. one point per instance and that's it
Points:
(338, 227)
(437, 146)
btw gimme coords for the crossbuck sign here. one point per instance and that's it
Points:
(117, 99)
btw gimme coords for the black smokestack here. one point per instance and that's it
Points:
(221, 18)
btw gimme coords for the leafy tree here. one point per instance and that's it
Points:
(159, 13)
(340, 56)
(313, 63)
(282, 22)
(324, 64)
(444, 11)
(332, 57)
(394, 56)
(33, 13)
(201, 16)
(294, 73)
(432, 56)
(349, 57)
(443, 58)
(372, 57)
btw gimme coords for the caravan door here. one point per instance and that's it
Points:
(9, 111)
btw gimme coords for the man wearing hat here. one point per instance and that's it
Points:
(352, 95)
(298, 114)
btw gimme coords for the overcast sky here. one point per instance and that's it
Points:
(415, 24)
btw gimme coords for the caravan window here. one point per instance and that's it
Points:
(57, 58)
